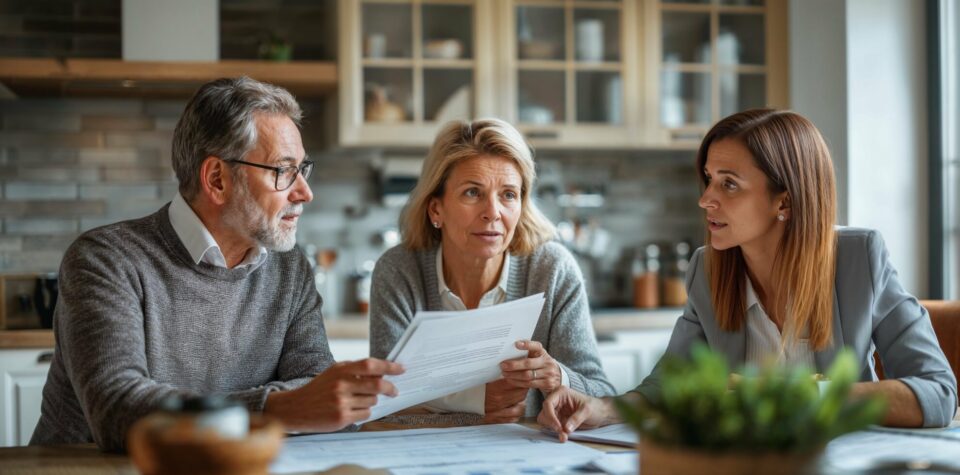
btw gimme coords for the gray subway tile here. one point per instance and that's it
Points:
(114, 192)
(37, 122)
(28, 191)
(11, 243)
(41, 226)
(30, 262)
(108, 156)
(52, 208)
(114, 123)
(59, 174)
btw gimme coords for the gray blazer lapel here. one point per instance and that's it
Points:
(825, 357)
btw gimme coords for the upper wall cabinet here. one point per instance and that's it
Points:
(568, 73)
(712, 58)
(409, 66)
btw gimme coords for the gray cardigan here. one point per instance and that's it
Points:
(405, 281)
(871, 312)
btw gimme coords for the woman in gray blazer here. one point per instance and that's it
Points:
(778, 283)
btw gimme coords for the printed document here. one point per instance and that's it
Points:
(488, 448)
(446, 352)
(614, 434)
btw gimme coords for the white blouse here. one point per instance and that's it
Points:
(765, 343)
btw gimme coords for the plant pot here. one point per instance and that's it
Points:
(656, 459)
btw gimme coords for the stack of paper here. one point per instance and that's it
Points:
(490, 448)
(446, 352)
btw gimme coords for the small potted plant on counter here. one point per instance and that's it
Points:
(771, 420)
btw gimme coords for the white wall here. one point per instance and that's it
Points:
(818, 75)
(858, 70)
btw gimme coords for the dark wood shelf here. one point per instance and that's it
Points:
(31, 77)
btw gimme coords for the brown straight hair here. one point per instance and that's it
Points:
(790, 151)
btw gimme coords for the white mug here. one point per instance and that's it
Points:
(590, 39)
(376, 46)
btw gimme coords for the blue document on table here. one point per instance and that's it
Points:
(446, 352)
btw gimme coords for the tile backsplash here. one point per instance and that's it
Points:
(69, 165)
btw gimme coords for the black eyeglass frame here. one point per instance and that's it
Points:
(277, 171)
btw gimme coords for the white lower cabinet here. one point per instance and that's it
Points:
(22, 376)
(631, 355)
(349, 349)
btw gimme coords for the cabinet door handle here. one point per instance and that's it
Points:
(45, 357)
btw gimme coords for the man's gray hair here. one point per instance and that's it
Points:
(219, 121)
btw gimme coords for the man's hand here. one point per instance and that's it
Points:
(336, 398)
(503, 402)
(566, 410)
(538, 370)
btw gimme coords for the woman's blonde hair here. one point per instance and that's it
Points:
(461, 140)
(790, 151)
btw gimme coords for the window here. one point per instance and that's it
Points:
(944, 67)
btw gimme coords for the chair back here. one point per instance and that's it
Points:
(945, 316)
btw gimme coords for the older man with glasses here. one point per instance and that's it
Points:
(207, 294)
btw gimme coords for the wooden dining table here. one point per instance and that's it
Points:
(87, 459)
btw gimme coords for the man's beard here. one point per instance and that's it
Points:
(245, 215)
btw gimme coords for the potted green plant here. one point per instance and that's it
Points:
(770, 420)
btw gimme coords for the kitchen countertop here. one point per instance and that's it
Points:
(355, 326)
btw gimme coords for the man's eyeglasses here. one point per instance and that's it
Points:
(283, 176)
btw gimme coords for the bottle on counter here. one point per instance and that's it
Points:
(327, 281)
(646, 278)
(364, 281)
(674, 285)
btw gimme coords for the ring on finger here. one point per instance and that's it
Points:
(534, 374)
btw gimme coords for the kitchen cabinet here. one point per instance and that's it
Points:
(568, 73)
(24, 372)
(712, 58)
(22, 376)
(631, 355)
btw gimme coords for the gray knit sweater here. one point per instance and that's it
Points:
(405, 281)
(138, 321)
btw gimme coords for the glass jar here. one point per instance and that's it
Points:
(674, 285)
(646, 278)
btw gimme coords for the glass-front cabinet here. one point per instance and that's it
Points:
(714, 58)
(408, 67)
(571, 70)
(568, 73)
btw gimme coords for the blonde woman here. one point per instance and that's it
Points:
(472, 237)
(778, 282)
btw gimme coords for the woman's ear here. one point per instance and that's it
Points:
(433, 210)
(784, 208)
(215, 179)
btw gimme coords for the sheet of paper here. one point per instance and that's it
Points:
(487, 448)
(446, 352)
(614, 434)
(868, 450)
(618, 463)
(951, 432)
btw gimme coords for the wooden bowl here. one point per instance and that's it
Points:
(163, 445)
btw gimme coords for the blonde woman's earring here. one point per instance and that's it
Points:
(781, 217)
(436, 224)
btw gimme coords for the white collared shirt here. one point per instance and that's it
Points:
(471, 400)
(199, 242)
(765, 343)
